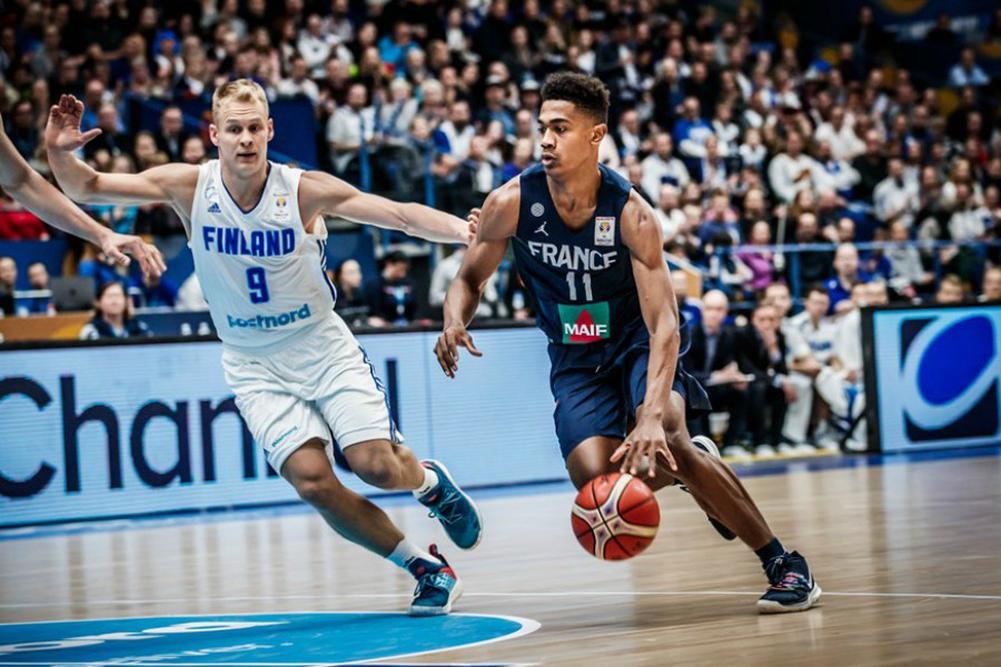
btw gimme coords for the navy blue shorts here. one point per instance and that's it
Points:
(590, 403)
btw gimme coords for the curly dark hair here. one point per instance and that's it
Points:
(587, 93)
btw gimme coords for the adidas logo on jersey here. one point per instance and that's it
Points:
(214, 208)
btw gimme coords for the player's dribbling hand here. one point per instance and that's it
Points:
(646, 442)
(118, 247)
(63, 129)
(447, 348)
(474, 222)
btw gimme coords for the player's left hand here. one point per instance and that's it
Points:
(474, 222)
(118, 247)
(646, 441)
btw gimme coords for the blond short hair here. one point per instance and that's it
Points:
(239, 90)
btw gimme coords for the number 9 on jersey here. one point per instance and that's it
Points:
(257, 283)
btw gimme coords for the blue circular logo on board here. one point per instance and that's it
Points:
(241, 639)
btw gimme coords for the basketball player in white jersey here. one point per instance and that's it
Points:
(299, 376)
(29, 189)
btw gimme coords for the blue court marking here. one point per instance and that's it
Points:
(250, 639)
(291, 508)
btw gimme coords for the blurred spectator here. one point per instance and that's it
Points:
(153, 292)
(315, 45)
(840, 136)
(349, 127)
(834, 174)
(690, 308)
(98, 266)
(691, 130)
(113, 315)
(762, 354)
(111, 140)
(669, 214)
(712, 359)
(894, 198)
(444, 274)
(18, 223)
(38, 280)
(521, 159)
(298, 83)
(170, 136)
(991, 284)
(814, 265)
(458, 131)
(662, 167)
(846, 274)
(8, 278)
(193, 150)
(791, 171)
(352, 303)
(907, 273)
(494, 105)
(870, 166)
(950, 290)
(22, 129)
(967, 72)
(391, 297)
(759, 261)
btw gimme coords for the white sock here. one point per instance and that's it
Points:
(430, 481)
(405, 553)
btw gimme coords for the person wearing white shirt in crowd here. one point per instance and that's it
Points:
(791, 171)
(662, 167)
(315, 45)
(396, 114)
(458, 130)
(834, 174)
(970, 220)
(630, 139)
(839, 131)
(726, 131)
(298, 82)
(752, 152)
(818, 330)
(444, 274)
(669, 213)
(841, 383)
(894, 198)
(351, 124)
(906, 269)
(802, 369)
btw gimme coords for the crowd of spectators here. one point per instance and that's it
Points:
(740, 139)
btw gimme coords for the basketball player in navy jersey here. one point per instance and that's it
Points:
(589, 251)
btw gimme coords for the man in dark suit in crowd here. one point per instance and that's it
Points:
(762, 353)
(712, 359)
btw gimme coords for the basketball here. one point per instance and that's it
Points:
(615, 516)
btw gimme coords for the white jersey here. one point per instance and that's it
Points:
(263, 276)
(820, 338)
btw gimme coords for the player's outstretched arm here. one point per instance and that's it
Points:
(641, 234)
(39, 196)
(321, 193)
(497, 223)
(169, 183)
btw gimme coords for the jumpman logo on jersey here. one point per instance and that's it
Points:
(542, 229)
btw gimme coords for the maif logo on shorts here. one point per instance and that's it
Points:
(587, 323)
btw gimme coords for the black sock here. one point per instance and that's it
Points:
(770, 551)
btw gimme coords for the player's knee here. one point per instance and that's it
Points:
(378, 468)
(317, 488)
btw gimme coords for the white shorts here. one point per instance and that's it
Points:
(320, 384)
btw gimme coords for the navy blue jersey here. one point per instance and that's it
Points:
(581, 282)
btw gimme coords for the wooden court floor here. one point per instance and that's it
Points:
(908, 554)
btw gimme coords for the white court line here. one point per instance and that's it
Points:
(539, 594)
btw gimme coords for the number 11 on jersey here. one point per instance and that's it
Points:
(572, 283)
(257, 283)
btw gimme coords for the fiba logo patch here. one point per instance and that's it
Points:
(537, 209)
(948, 376)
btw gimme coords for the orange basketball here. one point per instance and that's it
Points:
(615, 516)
